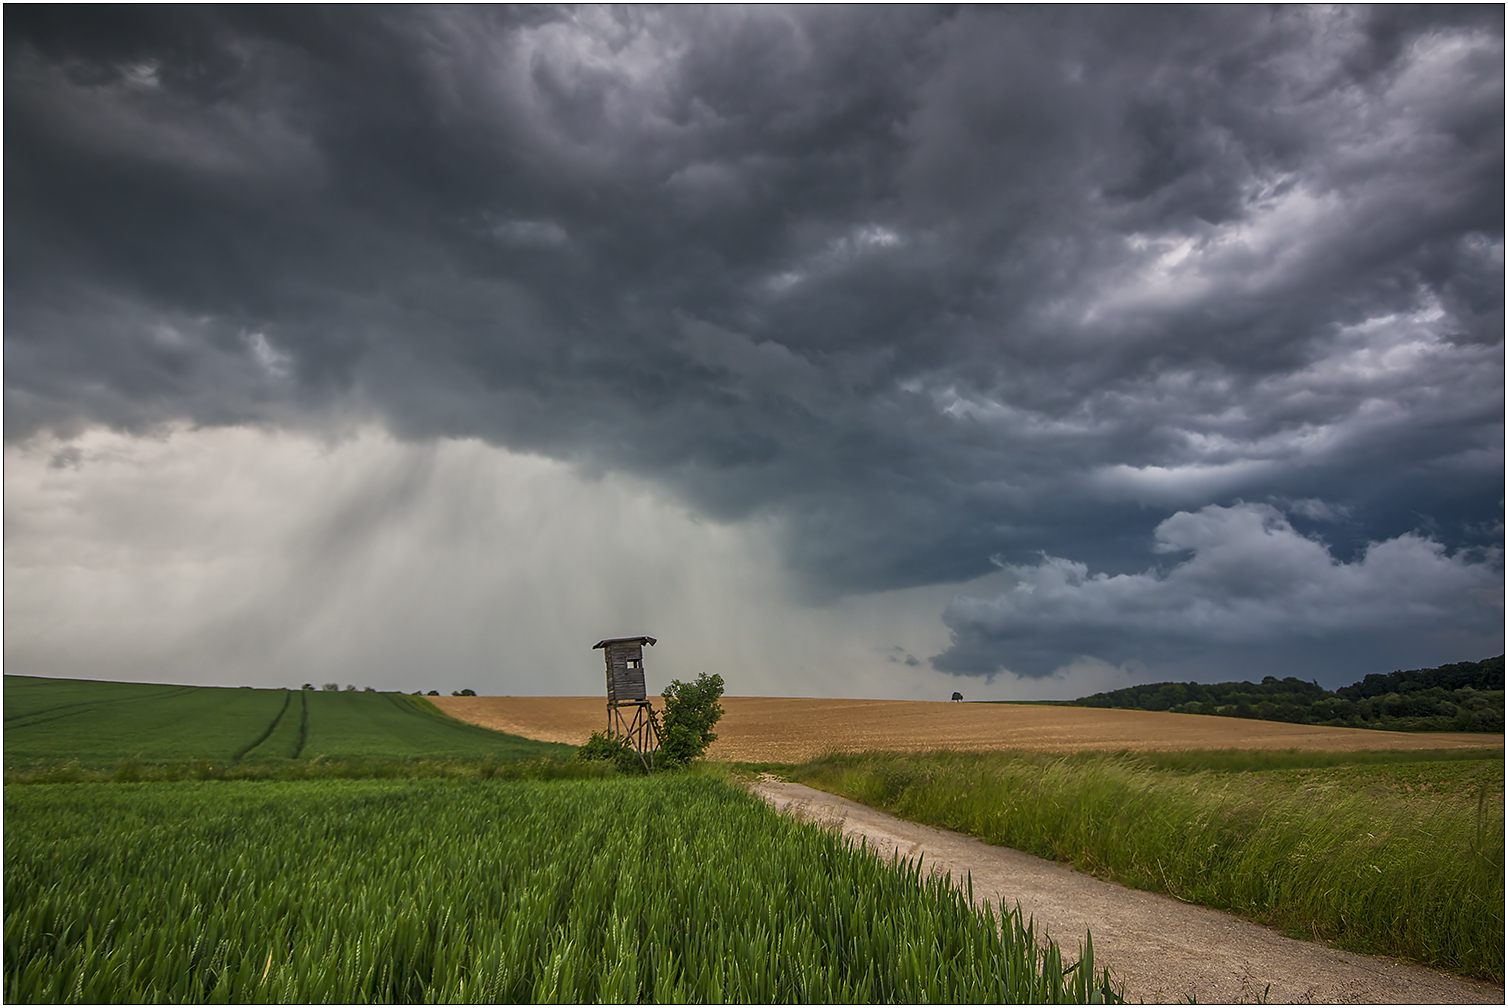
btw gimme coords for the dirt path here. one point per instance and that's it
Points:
(1162, 950)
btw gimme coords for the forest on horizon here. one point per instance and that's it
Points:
(1462, 696)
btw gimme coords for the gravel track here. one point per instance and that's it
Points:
(1163, 950)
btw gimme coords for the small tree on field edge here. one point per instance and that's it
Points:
(691, 710)
(957, 695)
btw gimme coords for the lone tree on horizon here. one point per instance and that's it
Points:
(957, 695)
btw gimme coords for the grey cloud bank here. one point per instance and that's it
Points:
(1041, 296)
(1253, 586)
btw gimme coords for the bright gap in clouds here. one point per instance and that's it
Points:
(237, 556)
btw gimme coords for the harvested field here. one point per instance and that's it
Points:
(791, 730)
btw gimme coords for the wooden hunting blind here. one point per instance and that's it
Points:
(626, 695)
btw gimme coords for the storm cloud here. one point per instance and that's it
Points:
(930, 294)
(1251, 581)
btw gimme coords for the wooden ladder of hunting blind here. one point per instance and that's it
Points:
(629, 713)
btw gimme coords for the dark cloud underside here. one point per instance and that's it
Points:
(938, 289)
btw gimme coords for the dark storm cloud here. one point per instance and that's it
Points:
(938, 289)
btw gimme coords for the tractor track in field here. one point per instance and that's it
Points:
(1163, 950)
(242, 753)
(61, 711)
(303, 725)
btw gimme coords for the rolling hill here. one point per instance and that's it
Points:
(99, 723)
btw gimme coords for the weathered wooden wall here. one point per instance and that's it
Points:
(625, 672)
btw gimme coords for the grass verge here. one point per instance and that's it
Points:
(133, 771)
(1373, 854)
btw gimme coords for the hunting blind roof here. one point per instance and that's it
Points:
(624, 640)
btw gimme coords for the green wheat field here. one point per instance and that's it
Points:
(170, 844)
(97, 724)
(468, 866)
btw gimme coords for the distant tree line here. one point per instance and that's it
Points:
(1464, 696)
(331, 687)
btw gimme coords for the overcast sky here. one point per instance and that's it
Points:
(851, 351)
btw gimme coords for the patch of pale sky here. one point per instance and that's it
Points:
(857, 242)
(628, 57)
(144, 74)
(1262, 251)
(1173, 485)
(1385, 350)
(1432, 80)
(1020, 422)
(274, 361)
(240, 556)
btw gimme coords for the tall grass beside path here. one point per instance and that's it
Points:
(1402, 860)
(676, 888)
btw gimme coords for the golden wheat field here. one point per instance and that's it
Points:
(787, 729)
